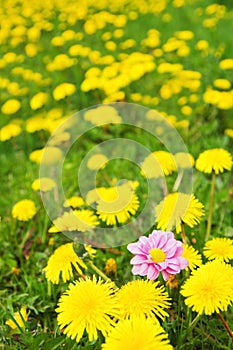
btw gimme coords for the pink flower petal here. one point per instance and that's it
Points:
(138, 259)
(153, 273)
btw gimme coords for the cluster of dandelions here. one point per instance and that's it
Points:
(124, 314)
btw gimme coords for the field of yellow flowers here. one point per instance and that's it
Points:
(116, 210)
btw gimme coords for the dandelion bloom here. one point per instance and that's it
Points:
(158, 164)
(176, 208)
(160, 252)
(102, 115)
(117, 204)
(43, 184)
(214, 160)
(210, 288)
(137, 333)
(10, 130)
(18, 318)
(63, 90)
(87, 304)
(143, 298)
(110, 266)
(97, 161)
(61, 262)
(11, 106)
(219, 249)
(75, 220)
(24, 210)
(192, 255)
(74, 202)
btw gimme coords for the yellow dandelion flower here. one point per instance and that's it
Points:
(229, 132)
(24, 210)
(18, 318)
(77, 220)
(87, 304)
(210, 288)
(143, 298)
(183, 160)
(38, 100)
(43, 184)
(63, 90)
(47, 155)
(158, 164)
(184, 35)
(220, 249)
(223, 84)
(102, 115)
(61, 262)
(11, 106)
(97, 161)
(110, 266)
(226, 63)
(177, 208)
(117, 204)
(193, 257)
(74, 202)
(172, 282)
(36, 123)
(10, 130)
(214, 160)
(137, 333)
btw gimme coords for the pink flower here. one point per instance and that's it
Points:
(160, 252)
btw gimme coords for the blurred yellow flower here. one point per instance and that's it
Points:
(63, 90)
(183, 160)
(11, 106)
(77, 220)
(110, 267)
(38, 100)
(10, 130)
(43, 184)
(223, 84)
(47, 155)
(226, 63)
(229, 132)
(74, 202)
(24, 210)
(97, 161)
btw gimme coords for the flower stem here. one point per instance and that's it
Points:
(183, 235)
(209, 221)
(100, 273)
(226, 325)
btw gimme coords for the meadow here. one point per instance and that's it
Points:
(116, 210)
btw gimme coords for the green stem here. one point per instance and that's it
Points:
(225, 324)
(209, 221)
(183, 235)
(190, 328)
(100, 273)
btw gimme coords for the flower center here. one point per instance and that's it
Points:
(157, 255)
